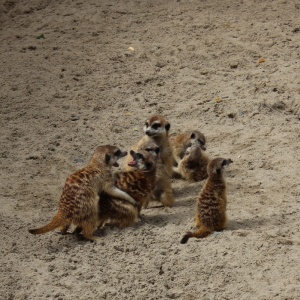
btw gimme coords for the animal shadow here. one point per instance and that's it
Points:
(247, 223)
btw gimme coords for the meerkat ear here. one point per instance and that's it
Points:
(226, 162)
(107, 158)
(157, 150)
(193, 135)
(168, 126)
(218, 171)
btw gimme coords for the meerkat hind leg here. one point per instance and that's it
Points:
(88, 232)
(167, 198)
(64, 229)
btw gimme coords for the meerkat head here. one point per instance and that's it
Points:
(157, 126)
(142, 160)
(107, 154)
(217, 165)
(198, 138)
(152, 148)
(192, 156)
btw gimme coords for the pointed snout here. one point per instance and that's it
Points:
(124, 153)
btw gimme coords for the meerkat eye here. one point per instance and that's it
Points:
(107, 158)
(156, 126)
(118, 153)
(139, 156)
(202, 142)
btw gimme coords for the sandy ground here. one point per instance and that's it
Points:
(69, 82)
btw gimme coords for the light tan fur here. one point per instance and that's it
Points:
(182, 141)
(212, 202)
(193, 165)
(79, 199)
(157, 131)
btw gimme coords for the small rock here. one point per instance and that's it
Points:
(32, 48)
(234, 65)
(78, 160)
(74, 118)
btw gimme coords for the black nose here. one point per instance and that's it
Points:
(147, 132)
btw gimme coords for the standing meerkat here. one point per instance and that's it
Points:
(211, 203)
(182, 141)
(193, 165)
(79, 199)
(138, 183)
(156, 131)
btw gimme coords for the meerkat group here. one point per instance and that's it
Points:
(95, 195)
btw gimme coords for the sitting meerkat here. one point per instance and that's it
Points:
(156, 131)
(211, 203)
(193, 165)
(79, 199)
(182, 141)
(138, 183)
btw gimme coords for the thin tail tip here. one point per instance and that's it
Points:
(184, 239)
(32, 231)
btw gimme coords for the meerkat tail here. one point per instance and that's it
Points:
(201, 233)
(58, 221)
(115, 192)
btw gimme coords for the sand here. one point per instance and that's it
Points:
(78, 74)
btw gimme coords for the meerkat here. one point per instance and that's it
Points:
(79, 199)
(182, 141)
(212, 201)
(193, 165)
(138, 183)
(156, 131)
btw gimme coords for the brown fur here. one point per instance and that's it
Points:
(193, 165)
(211, 203)
(79, 199)
(138, 183)
(182, 141)
(163, 191)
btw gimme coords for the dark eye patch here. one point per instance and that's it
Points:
(148, 165)
(118, 152)
(139, 155)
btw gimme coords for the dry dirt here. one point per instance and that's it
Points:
(69, 82)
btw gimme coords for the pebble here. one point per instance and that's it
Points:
(74, 118)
